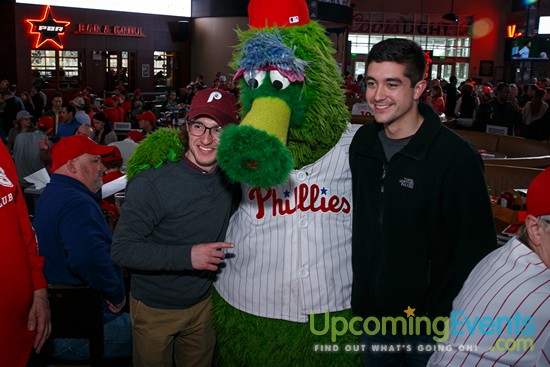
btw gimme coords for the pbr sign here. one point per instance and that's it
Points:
(47, 29)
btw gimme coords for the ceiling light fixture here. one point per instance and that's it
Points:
(451, 17)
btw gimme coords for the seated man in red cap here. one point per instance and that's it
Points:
(113, 112)
(170, 235)
(147, 122)
(500, 317)
(76, 241)
(128, 145)
(113, 165)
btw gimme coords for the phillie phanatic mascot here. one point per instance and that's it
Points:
(283, 296)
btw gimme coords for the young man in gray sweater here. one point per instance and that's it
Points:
(170, 235)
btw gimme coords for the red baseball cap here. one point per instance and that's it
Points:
(283, 13)
(45, 122)
(147, 116)
(74, 146)
(135, 135)
(217, 104)
(109, 102)
(113, 156)
(538, 195)
(119, 87)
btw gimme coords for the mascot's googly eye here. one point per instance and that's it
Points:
(278, 80)
(254, 78)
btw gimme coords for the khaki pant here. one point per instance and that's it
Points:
(163, 336)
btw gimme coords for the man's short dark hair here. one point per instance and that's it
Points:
(70, 108)
(401, 51)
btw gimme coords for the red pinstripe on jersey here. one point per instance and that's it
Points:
(511, 287)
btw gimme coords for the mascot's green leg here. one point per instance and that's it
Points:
(244, 340)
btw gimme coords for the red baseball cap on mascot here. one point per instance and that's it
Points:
(283, 13)
(217, 104)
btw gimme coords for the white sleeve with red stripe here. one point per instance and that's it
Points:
(501, 317)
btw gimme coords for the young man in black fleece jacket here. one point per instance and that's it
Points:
(421, 212)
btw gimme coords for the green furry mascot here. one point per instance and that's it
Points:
(292, 231)
(283, 297)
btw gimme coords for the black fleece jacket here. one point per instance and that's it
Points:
(421, 221)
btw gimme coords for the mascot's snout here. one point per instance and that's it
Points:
(255, 152)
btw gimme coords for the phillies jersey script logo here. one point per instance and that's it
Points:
(304, 198)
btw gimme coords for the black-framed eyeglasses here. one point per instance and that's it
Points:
(197, 129)
(545, 220)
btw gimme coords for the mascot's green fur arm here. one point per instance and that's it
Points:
(154, 150)
(251, 341)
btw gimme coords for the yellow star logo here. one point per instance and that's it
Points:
(409, 311)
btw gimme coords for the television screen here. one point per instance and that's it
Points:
(528, 48)
(544, 25)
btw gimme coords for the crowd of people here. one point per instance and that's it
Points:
(173, 247)
(522, 110)
(47, 120)
(19, 112)
(71, 219)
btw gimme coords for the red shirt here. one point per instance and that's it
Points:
(20, 268)
(111, 176)
(114, 115)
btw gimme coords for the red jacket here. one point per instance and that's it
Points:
(20, 267)
(126, 106)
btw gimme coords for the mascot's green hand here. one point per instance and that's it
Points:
(253, 156)
(153, 151)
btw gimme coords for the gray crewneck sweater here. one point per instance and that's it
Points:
(168, 210)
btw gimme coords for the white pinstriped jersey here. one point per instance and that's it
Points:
(292, 250)
(509, 293)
